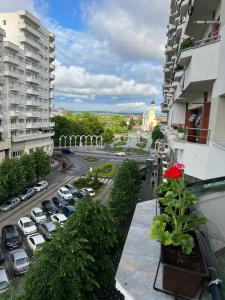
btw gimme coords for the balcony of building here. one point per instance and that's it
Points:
(52, 76)
(27, 16)
(52, 46)
(51, 36)
(32, 91)
(40, 125)
(51, 95)
(11, 73)
(201, 65)
(29, 28)
(17, 126)
(31, 80)
(11, 46)
(34, 68)
(11, 59)
(52, 67)
(32, 102)
(33, 136)
(29, 42)
(51, 57)
(32, 55)
(164, 107)
(17, 113)
(202, 10)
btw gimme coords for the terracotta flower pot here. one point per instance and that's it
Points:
(184, 280)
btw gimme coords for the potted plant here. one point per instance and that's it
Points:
(181, 131)
(187, 43)
(182, 257)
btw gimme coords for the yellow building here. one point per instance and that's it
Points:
(149, 118)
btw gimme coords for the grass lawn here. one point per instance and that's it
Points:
(139, 151)
(104, 170)
(90, 158)
(116, 149)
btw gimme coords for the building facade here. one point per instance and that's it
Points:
(194, 89)
(27, 56)
(149, 118)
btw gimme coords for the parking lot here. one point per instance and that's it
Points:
(22, 210)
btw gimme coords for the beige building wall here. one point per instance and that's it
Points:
(28, 56)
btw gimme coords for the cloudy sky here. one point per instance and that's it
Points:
(109, 53)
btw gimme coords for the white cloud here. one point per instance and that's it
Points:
(134, 29)
(73, 81)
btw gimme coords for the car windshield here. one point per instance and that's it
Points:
(38, 184)
(3, 285)
(8, 202)
(66, 192)
(39, 214)
(28, 224)
(21, 261)
(51, 229)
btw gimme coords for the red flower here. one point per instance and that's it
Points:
(179, 166)
(173, 173)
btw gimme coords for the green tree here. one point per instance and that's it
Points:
(156, 134)
(63, 126)
(126, 188)
(108, 136)
(12, 177)
(29, 167)
(42, 163)
(76, 264)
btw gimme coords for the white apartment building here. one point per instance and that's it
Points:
(194, 87)
(26, 84)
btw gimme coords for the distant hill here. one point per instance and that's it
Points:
(159, 114)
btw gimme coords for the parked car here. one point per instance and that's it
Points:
(67, 151)
(40, 186)
(49, 207)
(68, 210)
(120, 154)
(10, 236)
(58, 201)
(19, 261)
(47, 229)
(59, 219)
(65, 193)
(79, 195)
(2, 256)
(26, 225)
(4, 281)
(71, 188)
(89, 191)
(10, 204)
(26, 194)
(35, 241)
(37, 215)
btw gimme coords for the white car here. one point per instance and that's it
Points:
(37, 215)
(26, 225)
(65, 193)
(4, 281)
(89, 191)
(35, 241)
(41, 186)
(59, 219)
(120, 154)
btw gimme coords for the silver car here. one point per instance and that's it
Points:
(10, 204)
(19, 261)
(4, 281)
(26, 194)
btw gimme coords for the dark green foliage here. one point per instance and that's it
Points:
(125, 190)
(156, 134)
(108, 136)
(77, 262)
(28, 164)
(12, 178)
(42, 163)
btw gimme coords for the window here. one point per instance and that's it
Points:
(3, 22)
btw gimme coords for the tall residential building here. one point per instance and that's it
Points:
(194, 87)
(26, 84)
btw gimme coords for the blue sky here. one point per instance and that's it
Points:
(109, 53)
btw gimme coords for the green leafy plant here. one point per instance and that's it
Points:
(187, 43)
(176, 225)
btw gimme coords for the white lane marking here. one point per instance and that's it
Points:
(110, 181)
(105, 180)
(101, 180)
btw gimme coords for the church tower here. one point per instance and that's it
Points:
(149, 118)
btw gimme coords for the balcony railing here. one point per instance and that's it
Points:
(198, 135)
(24, 137)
